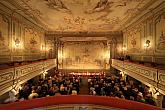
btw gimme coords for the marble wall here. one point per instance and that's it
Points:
(149, 27)
(21, 39)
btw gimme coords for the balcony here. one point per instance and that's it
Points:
(73, 102)
(147, 75)
(12, 77)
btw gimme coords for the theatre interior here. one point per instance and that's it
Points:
(82, 54)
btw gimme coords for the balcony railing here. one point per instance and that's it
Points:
(12, 77)
(78, 102)
(148, 75)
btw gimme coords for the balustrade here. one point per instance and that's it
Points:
(13, 77)
(147, 75)
(78, 102)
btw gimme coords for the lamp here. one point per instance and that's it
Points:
(124, 48)
(17, 42)
(147, 44)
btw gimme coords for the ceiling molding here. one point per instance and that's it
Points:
(147, 11)
(84, 34)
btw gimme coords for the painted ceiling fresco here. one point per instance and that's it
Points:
(83, 15)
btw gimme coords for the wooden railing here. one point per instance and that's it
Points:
(12, 77)
(148, 75)
(78, 102)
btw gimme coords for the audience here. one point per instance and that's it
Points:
(117, 87)
(50, 86)
(112, 86)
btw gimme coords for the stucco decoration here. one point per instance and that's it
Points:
(160, 34)
(85, 55)
(4, 35)
(82, 15)
(17, 37)
(134, 41)
(32, 41)
(20, 39)
(50, 52)
(161, 42)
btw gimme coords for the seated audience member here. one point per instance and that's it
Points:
(149, 99)
(140, 97)
(12, 97)
(74, 92)
(33, 95)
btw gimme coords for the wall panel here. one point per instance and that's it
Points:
(20, 39)
(149, 27)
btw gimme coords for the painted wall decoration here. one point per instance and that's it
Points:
(149, 28)
(50, 48)
(32, 41)
(134, 41)
(17, 37)
(42, 45)
(161, 42)
(160, 34)
(85, 55)
(28, 35)
(20, 39)
(4, 35)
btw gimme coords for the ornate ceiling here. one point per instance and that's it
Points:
(83, 15)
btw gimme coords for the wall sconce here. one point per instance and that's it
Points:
(42, 47)
(147, 44)
(17, 42)
(124, 48)
(47, 49)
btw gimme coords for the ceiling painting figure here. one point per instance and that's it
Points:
(82, 15)
(57, 5)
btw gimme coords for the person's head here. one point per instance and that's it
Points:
(136, 89)
(121, 83)
(12, 93)
(33, 91)
(139, 96)
(148, 95)
(122, 96)
(94, 92)
(62, 85)
(125, 88)
(132, 98)
(111, 94)
(117, 88)
(74, 92)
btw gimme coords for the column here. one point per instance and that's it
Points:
(62, 53)
(56, 51)
(112, 47)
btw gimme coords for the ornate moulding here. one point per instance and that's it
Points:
(12, 78)
(148, 75)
